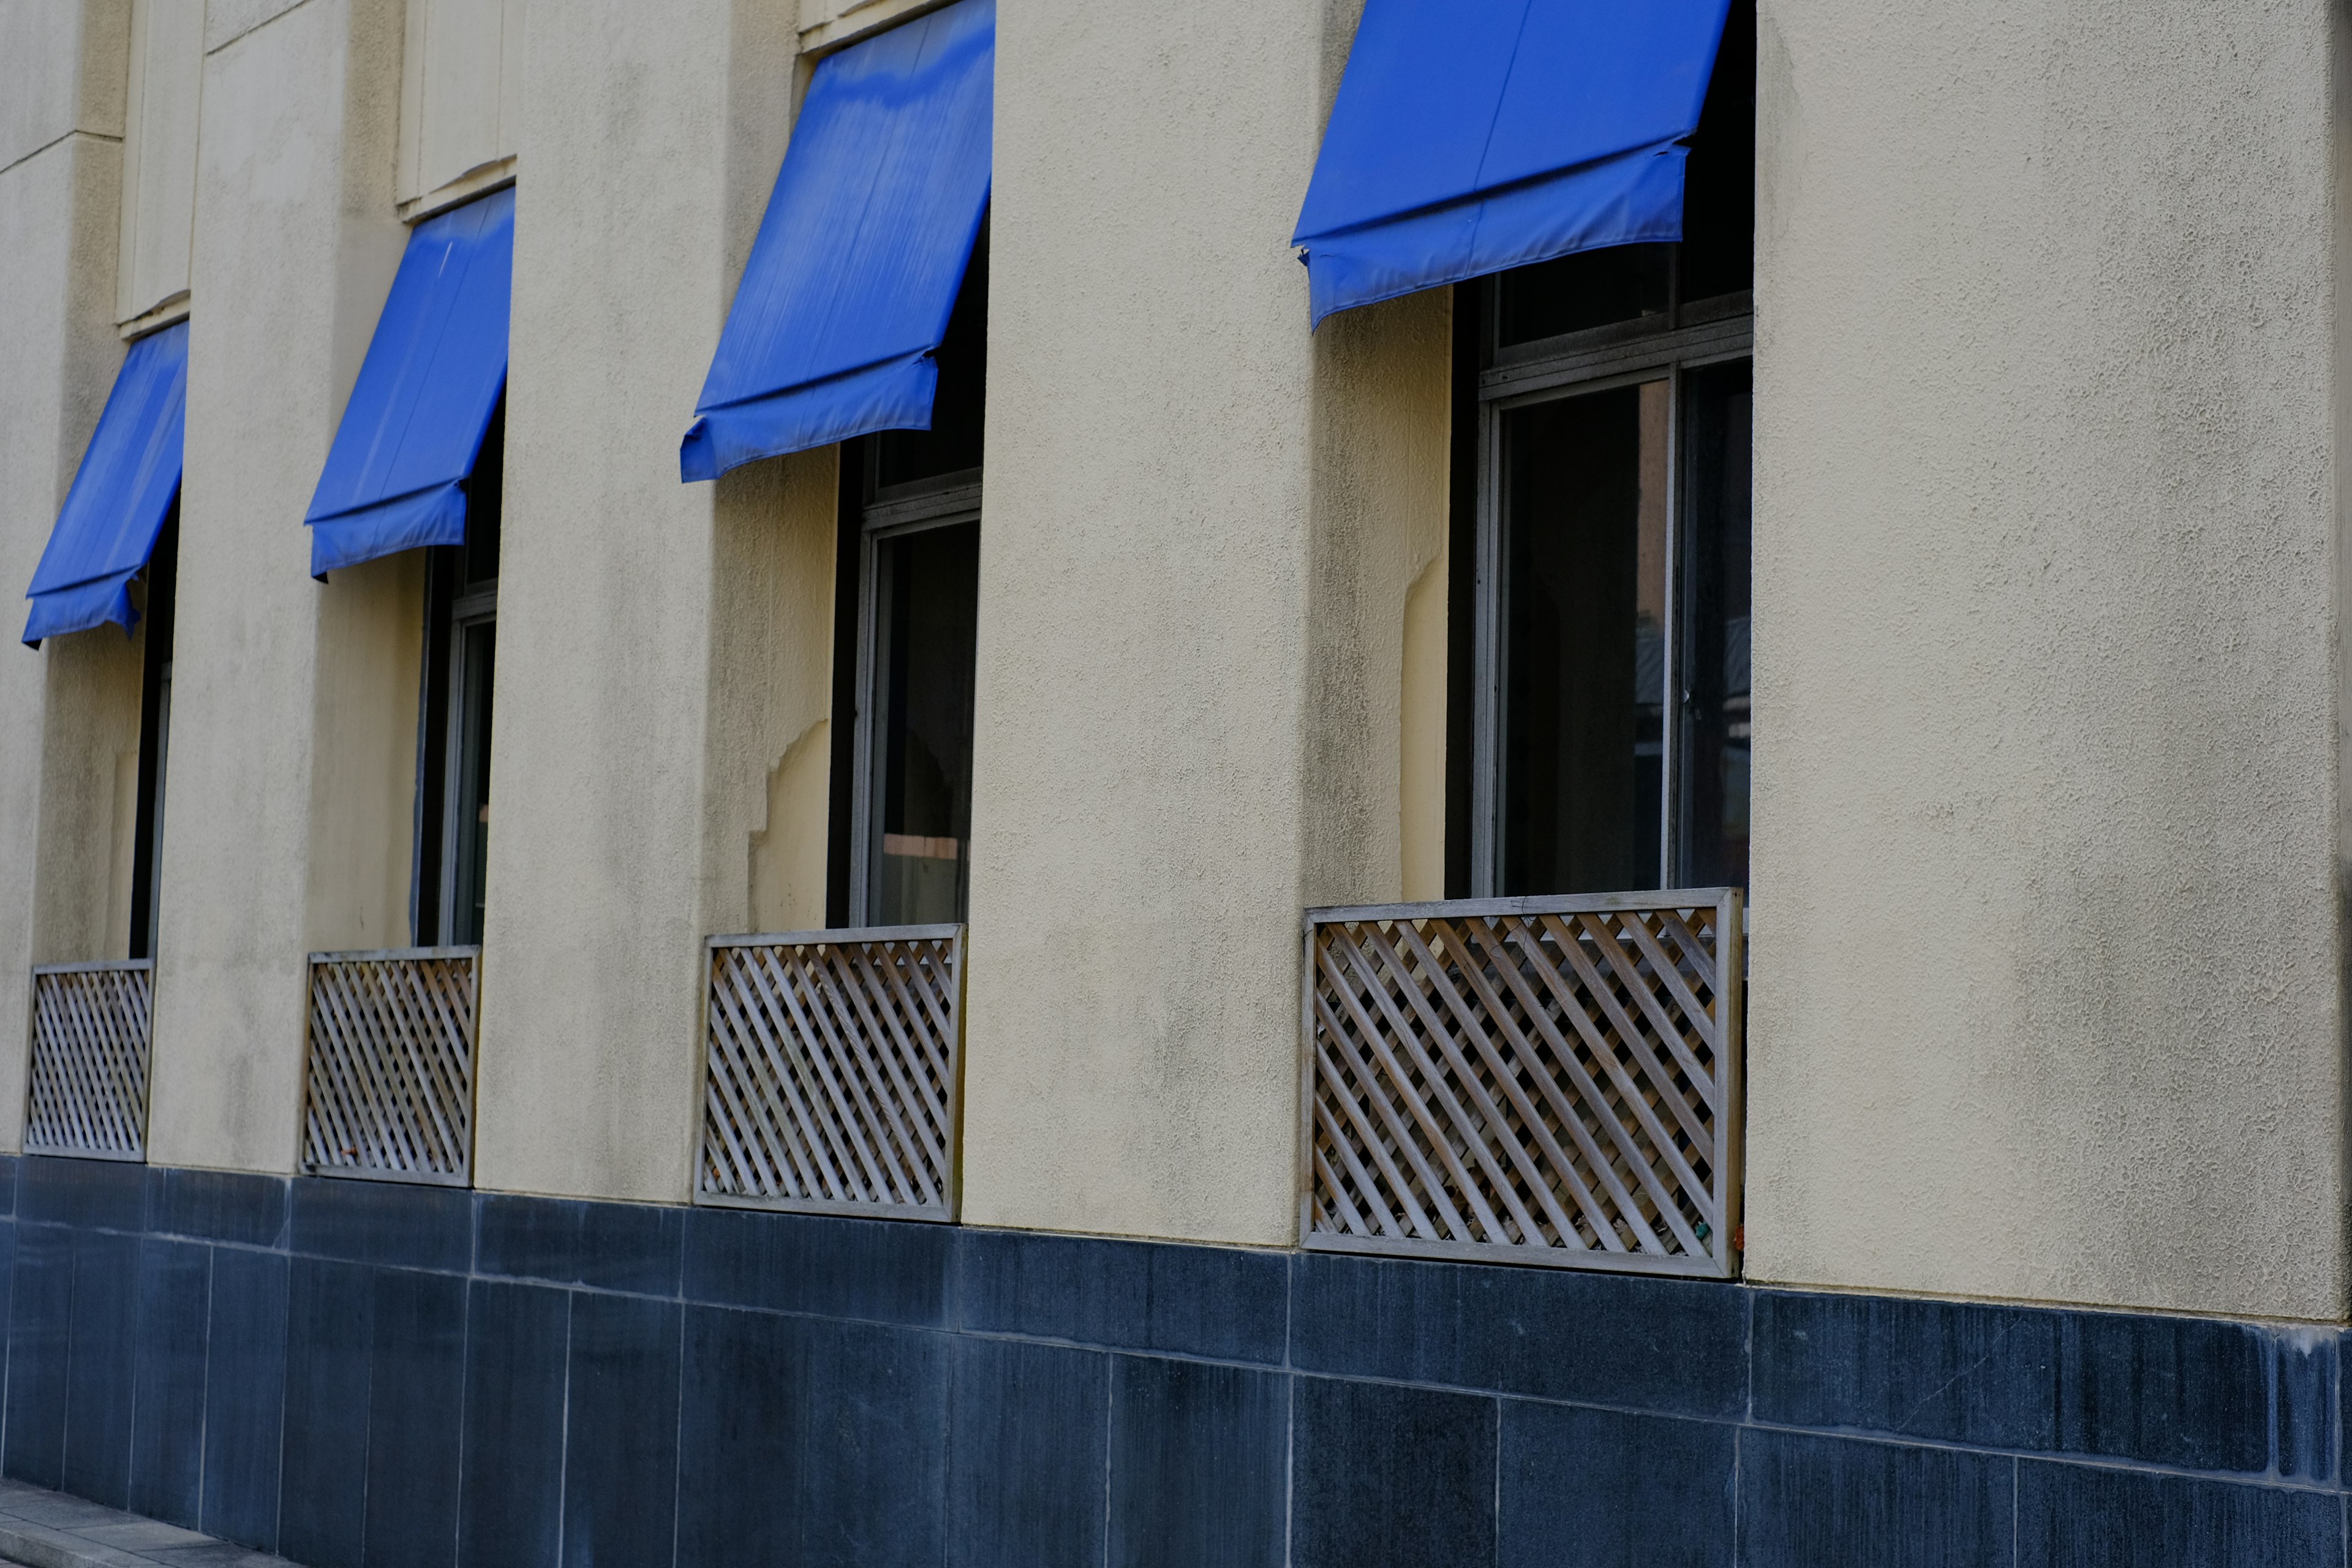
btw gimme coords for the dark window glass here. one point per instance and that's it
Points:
(1590, 289)
(1718, 251)
(155, 734)
(926, 618)
(486, 502)
(453, 760)
(952, 444)
(1646, 282)
(1718, 557)
(1585, 549)
(470, 798)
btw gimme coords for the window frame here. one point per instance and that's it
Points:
(948, 500)
(1690, 337)
(476, 607)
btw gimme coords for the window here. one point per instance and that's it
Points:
(454, 723)
(917, 557)
(1610, 696)
(154, 734)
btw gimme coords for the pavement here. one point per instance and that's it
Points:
(41, 1529)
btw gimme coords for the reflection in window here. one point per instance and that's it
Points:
(1715, 712)
(925, 620)
(453, 733)
(917, 549)
(1584, 670)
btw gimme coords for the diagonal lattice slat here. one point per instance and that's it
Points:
(389, 1083)
(832, 1071)
(87, 1094)
(1551, 1080)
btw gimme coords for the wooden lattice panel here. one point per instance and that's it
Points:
(1549, 1080)
(87, 1094)
(833, 1071)
(389, 1087)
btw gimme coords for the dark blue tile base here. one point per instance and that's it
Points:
(386, 1376)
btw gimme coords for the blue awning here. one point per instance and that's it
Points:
(395, 476)
(120, 496)
(1502, 133)
(865, 243)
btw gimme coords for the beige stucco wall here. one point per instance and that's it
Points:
(159, 155)
(293, 703)
(461, 91)
(650, 138)
(60, 171)
(767, 804)
(2047, 985)
(1200, 527)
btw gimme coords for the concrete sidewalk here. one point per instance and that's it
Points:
(41, 1529)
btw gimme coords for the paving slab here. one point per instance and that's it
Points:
(42, 1528)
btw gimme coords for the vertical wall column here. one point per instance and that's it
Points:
(651, 136)
(62, 72)
(1199, 528)
(2048, 934)
(293, 731)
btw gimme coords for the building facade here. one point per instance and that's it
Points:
(1135, 916)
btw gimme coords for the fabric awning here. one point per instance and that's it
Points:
(395, 475)
(119, 495)
(865, 240)
(1502, 133)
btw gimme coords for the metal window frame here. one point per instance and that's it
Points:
(949, 503)
(477, 607)
(1709, 333)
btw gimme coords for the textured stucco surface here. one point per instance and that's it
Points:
(2046, 992)
(58, 190)
(288, 828)
(769, 742)
(62, 62)
(650, 137)
(461, 90)
(159, 154)
(1183, 732)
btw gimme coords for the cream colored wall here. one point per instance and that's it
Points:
(60, 173)
(1200, 527)
(1375, 719)
(291, 748)
(159, 157)
(2047, 968)
(651, 136)
(768, 741)
(87, 745)
(461, 91)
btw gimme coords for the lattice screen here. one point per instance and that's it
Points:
(1551, 1080)
(88, 1096)
(833, 1071)
(390, 1080)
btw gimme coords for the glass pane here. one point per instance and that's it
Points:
(469, 827)
(1715, 609)
(952, 444)
(1585, 546)
(929, 614)
(1719, 180)
(486, 505)
(1623, 283)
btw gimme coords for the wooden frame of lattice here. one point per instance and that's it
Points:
(388, 1080)
(86, 1092)
(832, 1079)
(1551, 1080)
